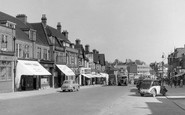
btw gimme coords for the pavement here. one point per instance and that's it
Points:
(176, 95)
(21, 94)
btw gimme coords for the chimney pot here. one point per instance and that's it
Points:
(78, 41)
(59, 27)
(65, 33)
(44, 19)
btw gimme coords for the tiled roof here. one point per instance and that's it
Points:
(54, 32)
(41, 35)
(19, 24)
(20, 35)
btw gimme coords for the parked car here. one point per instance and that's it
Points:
(152, 87)
(70, 85)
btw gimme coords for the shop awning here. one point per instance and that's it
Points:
(97, 75)
(66, 70)
(29, 68)
(88, 75)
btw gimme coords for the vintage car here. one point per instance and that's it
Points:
(70, 85)
(152, 87)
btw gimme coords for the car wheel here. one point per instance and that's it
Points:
(164, 94)
(142, 94)
(154, 93)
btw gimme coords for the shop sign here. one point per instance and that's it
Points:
(8, 58)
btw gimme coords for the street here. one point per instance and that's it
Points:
(105, 100)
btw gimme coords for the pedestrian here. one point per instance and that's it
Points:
(171, 82)
(175, 82)
(181, 83)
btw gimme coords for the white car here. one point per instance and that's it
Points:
(152, 87)
(70, 85)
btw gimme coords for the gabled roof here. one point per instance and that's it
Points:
(41, 34)
(54, 32)
(19, 24)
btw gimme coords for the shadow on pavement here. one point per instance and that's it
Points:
(164, 107)
(159, 105)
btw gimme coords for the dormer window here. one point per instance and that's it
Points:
(8, 24)
(32, 35)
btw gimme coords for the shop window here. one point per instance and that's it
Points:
(5, 70)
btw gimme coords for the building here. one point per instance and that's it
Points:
(7, 56)
(25, 45)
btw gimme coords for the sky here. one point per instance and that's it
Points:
(120, 29)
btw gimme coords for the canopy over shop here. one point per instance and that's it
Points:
(67, 71)
(32, 68)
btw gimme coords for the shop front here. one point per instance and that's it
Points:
(47, 82)
(63, 73)
(6, 73)
(30, 75)
(85, 76)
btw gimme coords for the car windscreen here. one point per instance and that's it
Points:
(67, 82)
(145, 84)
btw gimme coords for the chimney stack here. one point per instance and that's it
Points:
(94, 51)
(22, 17)
(44, 20)
(65, 33)
(59, 27)
(86, 48)
(77, 41)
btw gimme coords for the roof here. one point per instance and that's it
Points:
(19, 25)
(96, 58)
(41, 34)
(102, 59)
(20, 35)
(54, 32)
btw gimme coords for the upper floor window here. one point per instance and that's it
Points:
(18, 50)
(49, 55)
(32, 35)
(38, 52)
(45, 54)
(4, 42)
(26, 51)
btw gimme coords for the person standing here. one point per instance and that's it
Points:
(181, 83)
(175, 82)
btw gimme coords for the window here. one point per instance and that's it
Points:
(18, 50)
(38, 52)
(45, 54)
(49, 55)
(5, 70)
(4, 42)
(26, 51)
